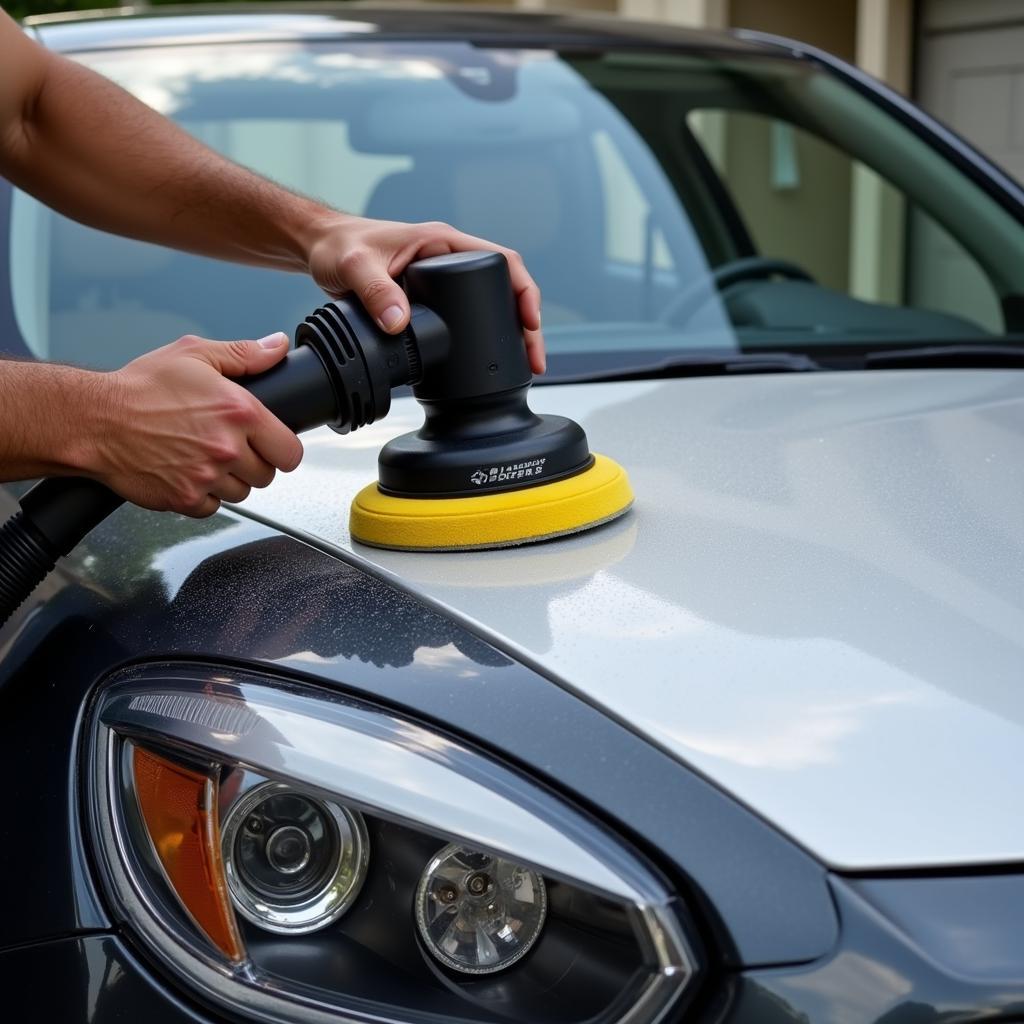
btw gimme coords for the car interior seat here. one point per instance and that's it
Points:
(413, 196)
(518, 200)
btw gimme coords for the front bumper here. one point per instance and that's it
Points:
(913, 951)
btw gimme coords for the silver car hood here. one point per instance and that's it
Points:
(817, 601)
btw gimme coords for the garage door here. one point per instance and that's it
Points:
(970, 74)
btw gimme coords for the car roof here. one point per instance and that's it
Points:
(167, 26)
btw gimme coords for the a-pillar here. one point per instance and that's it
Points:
(878, 213)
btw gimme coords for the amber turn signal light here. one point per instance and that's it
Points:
(179, 806)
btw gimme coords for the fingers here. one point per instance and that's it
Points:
(202, 509)
(526, 289)
(236, 358)
(253, 470)
(272, 441)
(527, 292)
(528, 298)
(535, 351)
(366, 273)
(195, 437)
(230, 488)
(364, 256)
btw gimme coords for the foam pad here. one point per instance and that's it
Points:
(595, 496)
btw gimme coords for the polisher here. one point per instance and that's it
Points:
(483, 471)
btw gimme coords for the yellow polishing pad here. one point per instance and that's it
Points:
(579, 502)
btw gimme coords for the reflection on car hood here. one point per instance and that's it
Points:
(818, 600)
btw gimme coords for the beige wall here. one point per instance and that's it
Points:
(799, 221)
(602, 6)
(804, 223)
(698, 13)
(830, 24)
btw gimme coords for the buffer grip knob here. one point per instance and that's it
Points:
(472, 294)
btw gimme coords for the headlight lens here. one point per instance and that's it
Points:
(289, 855)
(294, 863)
(479, 914)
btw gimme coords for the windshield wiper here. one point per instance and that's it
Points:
(695, 365)
(947, 356)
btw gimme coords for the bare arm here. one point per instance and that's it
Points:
(86, 147)
(44, 410)
(168, 431)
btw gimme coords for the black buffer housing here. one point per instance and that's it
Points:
(480, 435)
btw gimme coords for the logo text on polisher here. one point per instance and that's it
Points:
(513, 471)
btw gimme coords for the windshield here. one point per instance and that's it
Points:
(666, 203)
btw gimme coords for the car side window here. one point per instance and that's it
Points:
(806, 201)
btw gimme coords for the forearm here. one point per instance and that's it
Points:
(99, 155)
(168, 431)
(47, 415)
(85, 146)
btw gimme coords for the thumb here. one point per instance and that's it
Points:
(242, 358)
(381, 295)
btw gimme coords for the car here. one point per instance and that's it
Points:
(748, 754)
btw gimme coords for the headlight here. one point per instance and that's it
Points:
(293, 856)
(294, 863)
(477, 913)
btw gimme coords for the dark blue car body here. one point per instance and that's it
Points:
(782, 939)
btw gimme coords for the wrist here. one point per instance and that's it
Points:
(96, 421)
(319, 225)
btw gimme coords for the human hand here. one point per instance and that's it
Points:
(174, 434)
(365, 256)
